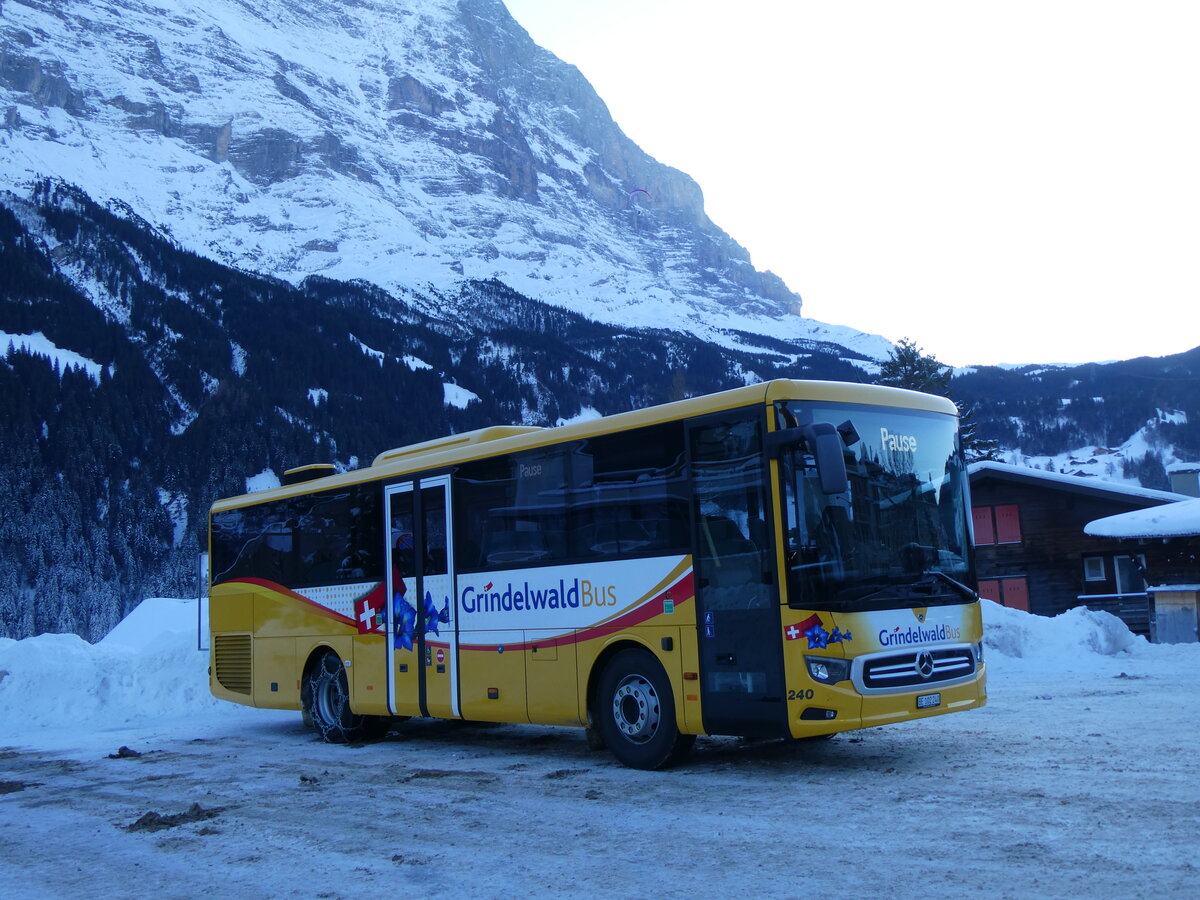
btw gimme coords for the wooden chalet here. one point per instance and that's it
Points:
(1169, 538)
(1032, 553)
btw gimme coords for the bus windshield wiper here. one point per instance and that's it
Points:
(924, 586)
(957, 586)
(869, 591)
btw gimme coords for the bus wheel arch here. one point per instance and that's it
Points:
(325, 701)
(593, 686)
(310, 664)
(633, 709)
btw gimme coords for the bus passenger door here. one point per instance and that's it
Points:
(423, 649)
(737, 607)
(404, 698)
(435, 616)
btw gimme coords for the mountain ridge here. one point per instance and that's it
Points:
(152, 388)
(229, 245)
(138, 384)
(415, 144)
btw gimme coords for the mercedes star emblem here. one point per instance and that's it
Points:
(925, 664)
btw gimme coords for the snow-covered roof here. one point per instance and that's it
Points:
(1183, 467)
(1072, 482)
(1168, 521)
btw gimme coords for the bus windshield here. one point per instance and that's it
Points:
(899, 535)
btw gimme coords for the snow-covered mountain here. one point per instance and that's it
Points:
(1118, 421)
(399, 189)
(409, 143)
(139, 382)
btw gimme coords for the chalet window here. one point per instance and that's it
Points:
(1094, 569)
(985, 530)
(997, 524)
(1130, 572)
(1012, 592)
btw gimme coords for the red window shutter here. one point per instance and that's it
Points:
(1008, 525)
(990, 590)
(1016, 593)
(981, 517)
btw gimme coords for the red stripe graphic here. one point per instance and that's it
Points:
(683, 590)
(312, 604)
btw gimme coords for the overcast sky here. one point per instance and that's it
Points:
(1000, 182)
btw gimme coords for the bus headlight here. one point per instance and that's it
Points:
(828, 670)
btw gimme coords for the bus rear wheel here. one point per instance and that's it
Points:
(635, 709)
(327, 705)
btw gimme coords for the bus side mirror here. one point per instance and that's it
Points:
(825, 443)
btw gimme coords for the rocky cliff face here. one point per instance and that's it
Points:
(139, 383)
(405, 142)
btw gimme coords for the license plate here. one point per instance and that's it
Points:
(928, 701)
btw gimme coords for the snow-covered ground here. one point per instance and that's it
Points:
(1080, 778)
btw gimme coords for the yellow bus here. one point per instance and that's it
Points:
(790, 559)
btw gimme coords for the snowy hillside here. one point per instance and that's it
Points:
(320, 149)
(1120, 463)
(139, 384)
(1122, 421)
(410, 143)
(1079, 778)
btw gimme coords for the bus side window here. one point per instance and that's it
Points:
(480, 488)
(728, 477)
(435, 562)
(433, 515)
(608, 497)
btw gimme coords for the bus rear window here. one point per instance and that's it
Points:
(331, 537)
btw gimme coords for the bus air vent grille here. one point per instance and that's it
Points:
(232, 655)
(916, 668)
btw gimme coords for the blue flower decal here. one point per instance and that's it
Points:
(818, 637)
(433, 616)
(405, 619)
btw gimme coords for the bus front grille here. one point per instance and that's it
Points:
(231, 653)
(916, 668)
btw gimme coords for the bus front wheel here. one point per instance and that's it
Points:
(635, 709)
(327, 705)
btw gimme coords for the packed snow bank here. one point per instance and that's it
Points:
(1037, 786)
(154, 622)
(149, 670)
(1023, 635)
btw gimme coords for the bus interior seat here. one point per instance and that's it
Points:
(723, 538)
(435, 561)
